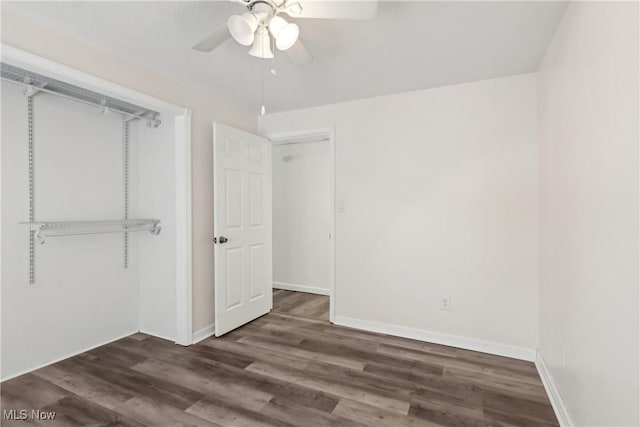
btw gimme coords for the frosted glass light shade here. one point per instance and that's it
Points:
(285, 33)
(261, 45)
(242, 28)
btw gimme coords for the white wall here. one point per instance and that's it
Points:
(82, 296)
(301, 216)
(25, 33)
(588, 94)
(155, 198)
(440, 193)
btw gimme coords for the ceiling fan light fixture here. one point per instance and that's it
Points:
(285, 33)
(261, 45)
(242, 27)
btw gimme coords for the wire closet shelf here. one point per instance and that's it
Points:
(35, 83)
(44, 229)
(39, 231)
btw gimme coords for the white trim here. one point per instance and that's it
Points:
(559, 408)
(68, 355)
(506, 350)
(184, 300)
(279, 137)
(301, 288)
(332, 224)
(204, 333)
(182, 117)
(157, 335)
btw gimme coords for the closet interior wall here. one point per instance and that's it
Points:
(82, 295)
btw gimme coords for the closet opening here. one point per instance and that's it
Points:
(303, 173)
(96, 214)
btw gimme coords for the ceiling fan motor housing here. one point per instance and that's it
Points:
(263, 10)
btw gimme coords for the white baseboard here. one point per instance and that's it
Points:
(560, 409)
(301, 288)
(66, 356)
(204, 333)
(507, 350)
(158, 335)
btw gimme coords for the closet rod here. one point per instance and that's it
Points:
(154, 120)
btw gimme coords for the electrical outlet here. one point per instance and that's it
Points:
(445, 303)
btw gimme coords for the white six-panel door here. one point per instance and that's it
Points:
(242, 227)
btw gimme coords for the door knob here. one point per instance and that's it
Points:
(223, 239)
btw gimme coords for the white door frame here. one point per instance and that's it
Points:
(182, 141)
(295, 137)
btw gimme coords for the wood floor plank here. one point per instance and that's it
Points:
(514, 419)
(258, 353)
(390, 340)
(459, 364)
(497, 383)
(290, 367)
(29, 391)
(232, 358)
(522, 366)
(443, 386)
(287, 323)
(470, 404)
(374, 416)
(75, 411)
(319, 323)
(370, 358)
(209, 382)
(447, 416)
(91, 388)
(286, 326)
(231, 415)
(299, 351)
(242, 381)
(116, 356)
(136, 382)
(508, 404)
(332, 385)
(301, 416)
(301, 304)
(151, 412)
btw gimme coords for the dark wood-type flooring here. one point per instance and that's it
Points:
(301, 304)
(281, 370)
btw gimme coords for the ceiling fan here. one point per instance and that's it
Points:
(264, 21)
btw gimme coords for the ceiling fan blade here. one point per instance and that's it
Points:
(213, 40)
(299, 54)
(332, 9)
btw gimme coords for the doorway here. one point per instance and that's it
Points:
(303, 170)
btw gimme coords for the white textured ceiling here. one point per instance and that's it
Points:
(409, 46)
